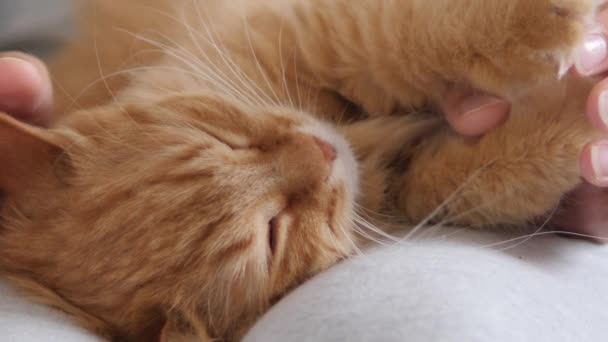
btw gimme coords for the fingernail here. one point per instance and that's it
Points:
(591, 54)
(599, 162)
(603, 108)
(479, 103)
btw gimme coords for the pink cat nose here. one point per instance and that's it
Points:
(328, 150)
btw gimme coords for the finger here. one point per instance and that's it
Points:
(472, 114)
(594, 163)
(25, 88)
(597, 105)
(591, 57)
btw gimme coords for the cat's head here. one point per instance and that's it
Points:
(188, 205)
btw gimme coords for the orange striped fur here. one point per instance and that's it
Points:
(184, 187)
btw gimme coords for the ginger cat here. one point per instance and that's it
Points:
(198, 173)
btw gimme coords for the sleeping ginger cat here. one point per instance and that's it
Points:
(199, 171)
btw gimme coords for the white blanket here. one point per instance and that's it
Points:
(21, 321)
(548, 289)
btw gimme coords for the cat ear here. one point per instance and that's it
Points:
(25, 151)
(177, 330)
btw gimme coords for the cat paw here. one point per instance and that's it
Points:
(533, 43)
(513, 175)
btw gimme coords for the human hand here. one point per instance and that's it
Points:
(25, 88)
(587, 207)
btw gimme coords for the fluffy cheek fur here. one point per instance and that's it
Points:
(166, 216)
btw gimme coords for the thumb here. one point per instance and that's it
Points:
(25, 88)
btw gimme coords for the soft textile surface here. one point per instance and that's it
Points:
(549, 289)
(21, 321)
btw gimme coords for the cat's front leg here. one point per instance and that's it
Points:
(513, 175)
(402, 54)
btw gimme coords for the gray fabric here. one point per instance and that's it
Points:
(445, 290)
(21, 321)
(34, 26)
(448, 288)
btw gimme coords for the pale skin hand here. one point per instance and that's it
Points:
(25, 88)
(476, 114)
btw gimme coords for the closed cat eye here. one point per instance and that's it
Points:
(272, 235)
